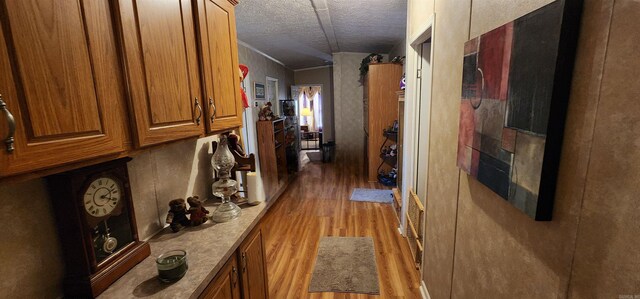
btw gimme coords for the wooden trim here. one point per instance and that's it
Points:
(412, 227)
(416, 199)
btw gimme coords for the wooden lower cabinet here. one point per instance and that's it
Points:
(226, 284)
(248, 279)
(253, 268)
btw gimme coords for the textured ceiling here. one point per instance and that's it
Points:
(304, 33)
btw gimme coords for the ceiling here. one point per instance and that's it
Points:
(304, 33)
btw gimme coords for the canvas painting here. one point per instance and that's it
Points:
(514, 97)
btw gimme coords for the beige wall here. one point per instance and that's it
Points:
(260, 67)
(479, 246)
(400, 49)
(418, 12)
(322, 76)
(347, 103)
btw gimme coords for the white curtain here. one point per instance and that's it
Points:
(316, 108)
(310, 98)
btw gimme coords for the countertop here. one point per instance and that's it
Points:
(208, 247)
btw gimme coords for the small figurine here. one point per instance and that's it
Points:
(265, 112)
(177, 216)
(398, 59)
(197, 212)
(234, 145)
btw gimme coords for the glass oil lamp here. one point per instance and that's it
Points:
(223, 161)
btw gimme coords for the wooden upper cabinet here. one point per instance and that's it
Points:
(219, 45)
(61, 82)
(161, 62)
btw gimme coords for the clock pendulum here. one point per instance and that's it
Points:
(110, 243)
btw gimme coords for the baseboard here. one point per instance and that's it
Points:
(424, 291)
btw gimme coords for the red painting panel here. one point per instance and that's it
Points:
(493, 61)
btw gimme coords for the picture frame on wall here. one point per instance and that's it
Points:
(259, 91)
(515, 91)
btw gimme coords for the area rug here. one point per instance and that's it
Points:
(372, 195)
(315, 156)
(345, 265)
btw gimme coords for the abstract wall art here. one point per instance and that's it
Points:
(515, 91)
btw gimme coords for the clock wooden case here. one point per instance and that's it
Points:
(97, 226)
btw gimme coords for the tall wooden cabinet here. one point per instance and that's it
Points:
(381, 109)
(61, 81)
(221, 73)
(161, 61)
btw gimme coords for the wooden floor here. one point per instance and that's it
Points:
(317, 204)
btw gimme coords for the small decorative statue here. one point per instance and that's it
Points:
(398, 59)
(177, 216)
(196, 211)
(265, 112)
(234, 145)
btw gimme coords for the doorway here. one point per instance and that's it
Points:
(309, 102)
(417, 127)
(272, 94)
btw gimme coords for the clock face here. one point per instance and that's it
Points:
(102, 196)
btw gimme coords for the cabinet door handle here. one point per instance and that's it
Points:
(12, 126)
(199, 114)
(244, 262)
(213, 115)
(235, 276)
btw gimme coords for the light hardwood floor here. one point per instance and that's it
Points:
(317, 204)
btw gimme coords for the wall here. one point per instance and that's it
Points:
(400, 49)
(260, 67)
(477, 244)
(322, 76)
(347, 104)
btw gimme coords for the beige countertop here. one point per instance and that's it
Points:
(208, 247)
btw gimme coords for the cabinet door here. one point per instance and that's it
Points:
(253, 268)
(61, 80)
(162, 67)
(217, 23)
(226, 284)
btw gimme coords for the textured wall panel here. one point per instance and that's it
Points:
(33, 265)
(607, 257)
(451, 31)
(348, 105)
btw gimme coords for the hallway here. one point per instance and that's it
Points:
(306, 212)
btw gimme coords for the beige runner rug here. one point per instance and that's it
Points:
(345, 265)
